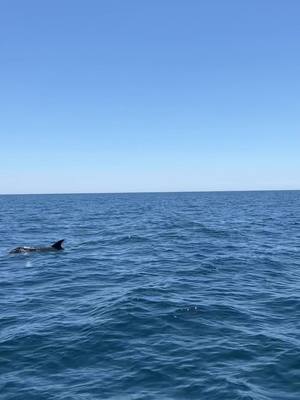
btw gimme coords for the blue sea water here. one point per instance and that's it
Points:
(156, 296)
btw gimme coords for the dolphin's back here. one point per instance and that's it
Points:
(25, 249)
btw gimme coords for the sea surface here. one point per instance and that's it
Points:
(156, 296)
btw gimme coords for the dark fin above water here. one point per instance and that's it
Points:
(58, 245)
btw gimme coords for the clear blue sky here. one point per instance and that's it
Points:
(149, 95)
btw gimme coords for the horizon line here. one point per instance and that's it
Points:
(152, 192)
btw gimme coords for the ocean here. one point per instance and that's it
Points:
(156, 296)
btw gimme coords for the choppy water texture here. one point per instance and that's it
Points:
(156, 296)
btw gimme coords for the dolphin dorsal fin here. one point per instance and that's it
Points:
(58, 245)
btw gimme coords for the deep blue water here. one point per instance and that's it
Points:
(156, 296)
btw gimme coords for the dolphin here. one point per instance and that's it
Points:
(24, 249)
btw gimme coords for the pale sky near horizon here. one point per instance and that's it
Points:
(154, 95)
